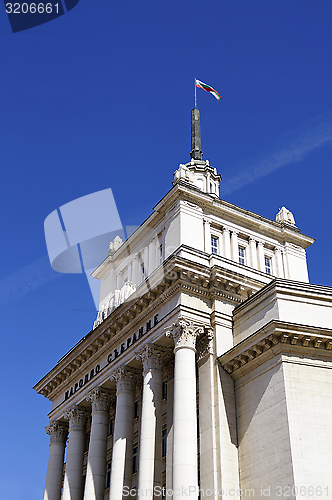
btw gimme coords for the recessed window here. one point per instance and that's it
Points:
(164, 389)
(142, 271)
(160, 253)
(268, 265)
(135, 459)
(164, 442)
(108, 475)
(214, 245)
(242, 256)
(110, 426)
(136, 409)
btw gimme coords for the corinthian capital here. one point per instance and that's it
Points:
(205, 343)
(58, 431)
(151, 357)
(100, 399)
(184, 333)
(125, 379)
(77, 417)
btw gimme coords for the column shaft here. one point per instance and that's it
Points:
(96, 466)
(122, 457)
(278, 259)
(235, 247)
(150, 467)
(261, 257)
(253, 253)
(58, 433)
(207, 237)
(227, 243)
(73, 482)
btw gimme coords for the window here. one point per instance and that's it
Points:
(164, 442)
(110, 426)
(214, 245)
(135, 459)
(164, 389)
(136, 410)
(242, 256)
(268, 267)
(143, 272)
(108, 475)
(160, 253)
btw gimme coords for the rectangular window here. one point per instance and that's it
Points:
(268, 267)
(143, 272)
(164, 442)
(108, 475)
(135, 459)
(242, 256)
(214, 245)
(164, 389)
(136, 410)
(160, 254)
(110, 426)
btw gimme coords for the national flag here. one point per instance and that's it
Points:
(203, 86)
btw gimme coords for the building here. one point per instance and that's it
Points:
(208, 370)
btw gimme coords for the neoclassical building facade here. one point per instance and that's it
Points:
(208, 369)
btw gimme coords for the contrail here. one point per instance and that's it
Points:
(25, 280)
(304, 140)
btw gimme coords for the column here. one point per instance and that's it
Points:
(58, 432)
(184, 479)
(122, 457)
(207, 236)
(235, 247)
(253, 253)
(96, 466)
(278, 260)
(72, 488)
(150, 460)
(136, 280)
(261, 260)
(169, 451)
(227, 242)
(207, 417)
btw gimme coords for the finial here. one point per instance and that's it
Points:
(196, 152)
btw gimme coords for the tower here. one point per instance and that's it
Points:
(207, 340)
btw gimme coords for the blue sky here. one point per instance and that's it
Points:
(101, 98)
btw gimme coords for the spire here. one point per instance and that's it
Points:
(196, 153)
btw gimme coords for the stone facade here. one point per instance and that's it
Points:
(208, 366)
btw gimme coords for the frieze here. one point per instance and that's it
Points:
(112, 356)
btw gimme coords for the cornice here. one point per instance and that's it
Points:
(175, 276)
(273, 338)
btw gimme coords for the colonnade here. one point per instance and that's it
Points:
(184, 429)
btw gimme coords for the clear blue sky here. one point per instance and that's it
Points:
(100, 98)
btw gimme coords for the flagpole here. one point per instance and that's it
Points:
(195, 92)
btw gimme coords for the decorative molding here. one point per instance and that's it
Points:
(274, 338)
(77, 417)
(125, 379)
(100, 399)
(151, 357)
(58, 432)
(184, 333)
(204, 343)
(169, 370)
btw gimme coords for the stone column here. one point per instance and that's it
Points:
(235, 247)
(184, 334)
(278, 260)
(150, 460)
(207, 236)
(207, 417)
(261, 260)
(227, 242)
(122, 457)
(96, 466)
(169, 450)
(58, 432)
(253, 253)
(73, 483)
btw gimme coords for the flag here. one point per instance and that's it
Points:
(203, 86)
